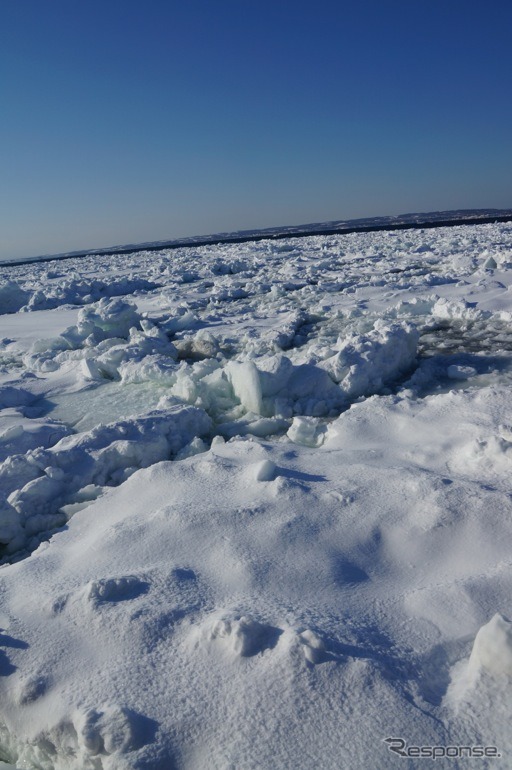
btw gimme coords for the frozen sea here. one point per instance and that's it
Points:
(255, 505)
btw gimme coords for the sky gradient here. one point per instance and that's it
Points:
(126, 121)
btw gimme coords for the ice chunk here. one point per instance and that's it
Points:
(202, 345)
(490, 263)
(458, 309)
(365, 363)
(415, 307)
(151, 368)
(306, 431)
(246, 384)
(311, 382)
(91, 370)
(107, 318)
(36, 495)
(274, 373)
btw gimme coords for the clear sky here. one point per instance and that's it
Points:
(133, 120)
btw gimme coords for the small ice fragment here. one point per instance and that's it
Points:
(455, 372)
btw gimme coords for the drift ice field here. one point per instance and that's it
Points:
(255, 504)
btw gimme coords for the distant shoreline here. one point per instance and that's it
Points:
(284, 233)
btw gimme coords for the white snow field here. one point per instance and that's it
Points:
(255, 505)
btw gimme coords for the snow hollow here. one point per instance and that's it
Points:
(255, 504)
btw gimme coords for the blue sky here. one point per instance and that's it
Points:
(128, 121)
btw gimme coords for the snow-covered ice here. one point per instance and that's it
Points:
(255, 504)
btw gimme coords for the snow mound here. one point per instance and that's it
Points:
(242, 637)
(312, 646)
(93, 739)
(114, 589)
(492, 649)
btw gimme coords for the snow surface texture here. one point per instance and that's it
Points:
(255, 507)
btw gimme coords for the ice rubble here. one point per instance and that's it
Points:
(36, 486)
(302, 533)
(112, 341)
(74, 291)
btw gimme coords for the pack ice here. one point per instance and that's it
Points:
(255, 508)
